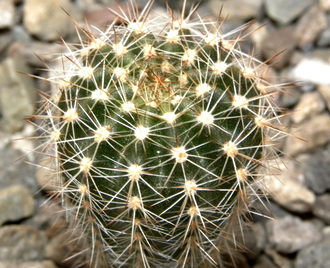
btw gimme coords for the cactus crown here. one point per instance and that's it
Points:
(159, 129)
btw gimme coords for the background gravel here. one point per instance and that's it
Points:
(30, 234)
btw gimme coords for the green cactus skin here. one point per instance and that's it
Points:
(159, 129)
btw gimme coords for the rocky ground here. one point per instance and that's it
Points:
(299, 237)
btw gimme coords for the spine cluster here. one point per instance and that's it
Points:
(159, 130)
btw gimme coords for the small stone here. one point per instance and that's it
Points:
(101, 17)
(280, 43)
(325, 92)
(289, 97)
(325, 4)
(322, 54)
(321, 208)
(324, 37)
(32, 264)
(62, 251)
(21, 243)
(237, 9)
(20, 34)
(259, 234)
(286, 188)
(47, 20)
(312, 71)
(5, 39)
(316, 170)
(311, 134)
(310, 104)
(265, 262)
(315, 256)
(7, 13)
(15, 171)
(16, 203)
(278, 259)
(291, 234)
(285, 11)
(17, 94)
(311, 24)
(35, 53)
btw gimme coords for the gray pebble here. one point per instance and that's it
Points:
(280, 43)
(309, 135)
(286, 188)
(325, 92)
(315, 256)
(324, 37)
(21, 243)
(15, 171)
(316, 170)
(310, 104)
(289, 97)
(290, 234)
(46, 20)
(7, 14)
(285, 11)
(5, 39)
(13, 83)
(236, 10)
(311, 24)
(32, 264)
(280, 260)
(36, 53)
(16, 203)
(265, 262)
(321, 208)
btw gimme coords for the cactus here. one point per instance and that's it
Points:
(159, 130)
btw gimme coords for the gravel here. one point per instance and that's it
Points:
(31, 235)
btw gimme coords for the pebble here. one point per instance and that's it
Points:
(321, 207)
(324, 37)
(280, 43)
(35, 53)
(265, 262)
(325, 4)
(285, 11)
(290, 234)
(306, 185)
(279, 260)
(322, 54)
(15, 88)
(236, 10)
(47, 20)
(311, 70)
(59, 249)
(15, 171)
(5, 39)
(325, 92)
(16, 203)
(316, 170)
(21, 243)
(7, 14)
(99, 18)
(286, 189)
(310, 25)
(310, 134)
(315, 256)
(289, 97)
(32, 264)
(310, 104)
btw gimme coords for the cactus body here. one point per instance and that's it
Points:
(159, 129)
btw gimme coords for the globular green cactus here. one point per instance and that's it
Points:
(159, 130)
